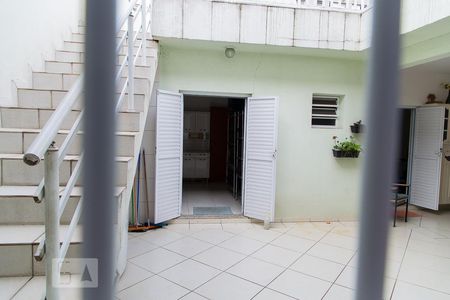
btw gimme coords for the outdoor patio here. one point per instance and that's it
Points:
(234, 259)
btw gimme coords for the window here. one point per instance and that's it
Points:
(324, 111)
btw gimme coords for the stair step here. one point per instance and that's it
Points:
(79, 47)
(19, 191)
(36, 118)
(78, 57)
(18, 243)
(17, 206)
(81, 37)
(15, 172)
(69, 68)
(63, 82)
(17, 141)
(36, 98)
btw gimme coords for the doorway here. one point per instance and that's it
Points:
(249, 154)
(405, 146)
(213, 151)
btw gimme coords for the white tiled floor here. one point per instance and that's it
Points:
(227, 260)
(290, 261)
(200, 194)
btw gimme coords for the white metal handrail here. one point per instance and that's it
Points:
(43, 145)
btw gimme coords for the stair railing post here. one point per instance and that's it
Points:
(144, 32)
(51, 179)
(130, 63)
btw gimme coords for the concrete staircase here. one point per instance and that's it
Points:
(21, 218)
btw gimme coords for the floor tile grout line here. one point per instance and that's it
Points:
(340, 273)
(136, 283)
(225, 271)
(401, 263)
(287, 268)
(22, 286)
(424, 287)
(288, 229)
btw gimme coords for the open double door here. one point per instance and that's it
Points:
(259, 157)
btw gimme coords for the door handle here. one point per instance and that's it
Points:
(275, 154)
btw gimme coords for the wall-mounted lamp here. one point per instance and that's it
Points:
(230, 52)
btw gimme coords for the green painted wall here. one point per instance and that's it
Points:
(311, 184)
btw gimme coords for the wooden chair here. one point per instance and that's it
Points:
(400, 196)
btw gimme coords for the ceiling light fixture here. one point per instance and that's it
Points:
(230, 52)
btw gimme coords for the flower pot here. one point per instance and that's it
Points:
(355, 154)
(338, 153)
(357, 128)
(348, 154)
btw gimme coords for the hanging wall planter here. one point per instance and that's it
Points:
(348, 148)
(357, 127)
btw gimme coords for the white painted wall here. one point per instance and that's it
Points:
(280, 23)
(311, 184)
(418, 13)
(416, 84)
(30, 31)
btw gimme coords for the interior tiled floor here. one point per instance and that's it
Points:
(235, 259)
(309, 260)
(202, 194)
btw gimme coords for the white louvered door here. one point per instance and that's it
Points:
(260, 157)
(169, 156)
(427, 157)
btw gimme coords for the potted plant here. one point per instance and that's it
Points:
(348, 148)
(357, 127)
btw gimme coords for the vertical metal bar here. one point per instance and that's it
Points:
(144, 32)
(51, 222)
(130, 63)
(380, 149)
(100, 206)
(150, 32)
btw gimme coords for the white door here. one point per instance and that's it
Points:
(427, 157)
(260, 157)
(169, 156)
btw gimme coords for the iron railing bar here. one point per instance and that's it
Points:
(137, 54)
(70, 231)
(99, 143)
(382, 97)
(39, 192)
(40, 250)
(125, 15)
(69, 187)
(48, 133)
(121, 43)
(144, 12)
(121, 96)
(130, 63)
(69, 138)
(51, 220)
(122, 66)
(136, 36)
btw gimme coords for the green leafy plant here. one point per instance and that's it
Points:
(346, 148)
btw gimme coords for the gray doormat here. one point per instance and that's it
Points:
(212, 211)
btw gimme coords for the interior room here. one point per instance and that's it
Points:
(213, 150)
(405, 145)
